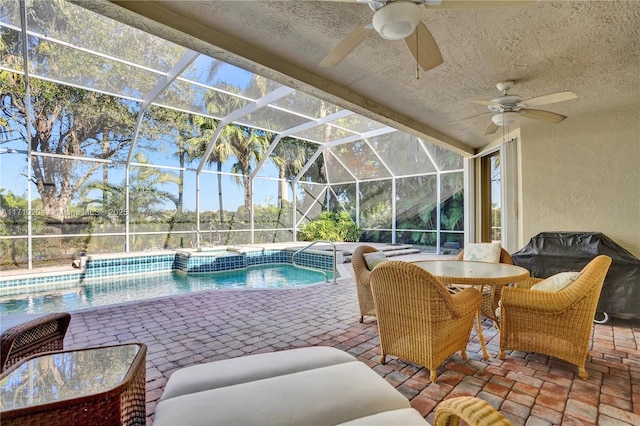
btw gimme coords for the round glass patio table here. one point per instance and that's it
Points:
(494, 275)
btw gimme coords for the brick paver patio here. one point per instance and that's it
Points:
(528, 388)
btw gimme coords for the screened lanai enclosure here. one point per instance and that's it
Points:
(115, 140)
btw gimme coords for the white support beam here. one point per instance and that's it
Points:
(315, 123)
(187, 58)
(239, 113)
(306, 167)
(348, 169)
(380, 159)
(266, 155)
(426, 151)
(373, 133)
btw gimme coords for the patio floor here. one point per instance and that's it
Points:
(528, 388)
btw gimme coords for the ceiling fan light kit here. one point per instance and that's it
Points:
(506, 118)
(397, 20)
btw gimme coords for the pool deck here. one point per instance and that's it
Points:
(530, 389)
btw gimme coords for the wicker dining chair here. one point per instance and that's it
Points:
(418, 318)
(491, 294)
(362, 276)
(554, 323)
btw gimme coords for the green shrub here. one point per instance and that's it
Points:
(330, 226)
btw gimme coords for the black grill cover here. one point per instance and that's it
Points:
(551, 252)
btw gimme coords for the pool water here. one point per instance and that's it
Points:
(109, 291)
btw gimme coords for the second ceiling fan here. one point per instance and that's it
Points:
(402, 20)
(507, 109)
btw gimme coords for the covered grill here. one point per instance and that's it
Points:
(551, 252)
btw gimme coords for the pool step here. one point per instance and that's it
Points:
(391, 251)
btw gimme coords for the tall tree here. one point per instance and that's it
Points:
(290, 156)
(145, 191)
(70, 120)
(66, 121)
(248, 150)
(177, 130)
(221, 151)
(243, 143)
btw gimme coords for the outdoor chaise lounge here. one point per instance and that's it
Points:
(310, 386)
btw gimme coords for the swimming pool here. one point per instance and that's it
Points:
(119, 289)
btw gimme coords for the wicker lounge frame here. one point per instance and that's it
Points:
(42, 334)
(124, 404)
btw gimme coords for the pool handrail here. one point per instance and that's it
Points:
(293, 257)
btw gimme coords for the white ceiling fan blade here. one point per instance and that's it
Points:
(424, 48)
(477, 4)
(347, 45)
(469, 118)
(488, 103)
(548, 99)
(491, 128)
(538, 114)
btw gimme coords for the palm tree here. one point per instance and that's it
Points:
(244, 143)
(221, 151)
(144, 192)
(248, 151)
(290, 156)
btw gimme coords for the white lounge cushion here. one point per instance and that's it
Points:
(321, 396)
(556, 282)
(375, 258)
(244, 369)
(483, 252)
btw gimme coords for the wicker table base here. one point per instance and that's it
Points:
(95, 386)
(480, 274)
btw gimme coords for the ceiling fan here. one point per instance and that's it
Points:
(507, 109)
(401, 20)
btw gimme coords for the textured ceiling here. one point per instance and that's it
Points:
(589, 47)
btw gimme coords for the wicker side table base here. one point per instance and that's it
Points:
(106, 386)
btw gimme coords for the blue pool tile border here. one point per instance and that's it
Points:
(187, 262)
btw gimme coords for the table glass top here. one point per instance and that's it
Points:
(66, 375)
(472, 270)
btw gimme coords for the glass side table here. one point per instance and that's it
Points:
(93, 386)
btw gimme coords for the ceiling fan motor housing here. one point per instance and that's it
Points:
(397, 20)
(508, 101)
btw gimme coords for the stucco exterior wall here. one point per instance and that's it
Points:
(583, 175)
